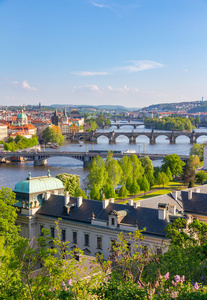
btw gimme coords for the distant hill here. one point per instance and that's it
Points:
(190, 107)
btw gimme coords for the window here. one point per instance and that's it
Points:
(86, 239)
(112, 221)
(63, 235)
(52, 231)
(41, 227)
(75, 237)
(99, 242)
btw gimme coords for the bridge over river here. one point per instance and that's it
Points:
(40, 158)
(132, 136)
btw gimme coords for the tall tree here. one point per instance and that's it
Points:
(175, 164)
(137, 168)
(98, 174)
(189, 172)
(201, 177)
(134, 189)
(144, 185)
(114, 172)
(169, 174)
(197, 149)
(148, 169)
(127, 168)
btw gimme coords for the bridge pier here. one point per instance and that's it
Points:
(172, 139)
(86, 161)
(192, 138)
(152, 140)
(39, 162)
(135, 126)
(132, 140)
(112, 141)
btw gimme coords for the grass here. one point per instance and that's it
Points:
(153, 194)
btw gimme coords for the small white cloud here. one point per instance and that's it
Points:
(98, 5)
(15, 83)
(141, 65)
(25, 85)
(185, 71)
(88, 73)
(89, 87)
(125, 89)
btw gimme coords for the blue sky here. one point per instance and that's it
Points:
(121, 52)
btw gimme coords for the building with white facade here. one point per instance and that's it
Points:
(89, 224)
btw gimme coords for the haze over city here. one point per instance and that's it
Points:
(123, 52)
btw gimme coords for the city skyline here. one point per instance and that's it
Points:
(130, 53)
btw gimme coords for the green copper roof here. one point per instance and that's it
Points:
(22, 115)
(38, 184)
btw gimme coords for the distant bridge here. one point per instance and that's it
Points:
(40, 158)
(118, 125)
(112, 136)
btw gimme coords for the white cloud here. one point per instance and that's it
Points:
(25, 85)
(90, 87)
(98, 5)
(141, 65)
(15, 83)
(88, 73)
(109, 89)
(185, 71)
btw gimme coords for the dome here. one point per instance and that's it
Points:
(22, 115)
(38, 184)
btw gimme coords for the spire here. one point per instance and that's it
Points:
(64, 112)
(56, 113)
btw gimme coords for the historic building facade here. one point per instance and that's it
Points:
(89, 224)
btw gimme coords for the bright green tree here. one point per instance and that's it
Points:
(109, 191)
(114, 172)
(148, 169)
(197, 149)
(123, 192)
(50, 134)
(137, 168)
(129, 182)
(175, 164)
(134, 189)
(169, 174)
(127, 168)
(95, 193)
(98, 174)
(201, 177)
(144, 185)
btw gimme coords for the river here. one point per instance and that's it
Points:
(12, 173)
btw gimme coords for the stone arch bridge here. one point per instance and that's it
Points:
(112, 136)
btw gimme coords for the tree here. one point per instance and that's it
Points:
(127, 168)
(95, 193)
(70, 182)
(109, 191)
(201, 177)
(144, 186)
(52, 134)
(114, 172)
(137, 168)
(169, 174)
(162, 179)
(189, 172)
(175, 164)
(148, 169)
(134, 189)
(98, 175)
(129, 182)
(123, 192)
(197, 149)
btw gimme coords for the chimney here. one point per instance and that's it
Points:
(79, 201)
(172, 209)
(175, 195)
(131, 202)
(55, 192)
(67, 198)
(47, 195)
(190, 194)
(111, 200)
(197, 190)
(162, 211)
(105, 203)
(136, 204)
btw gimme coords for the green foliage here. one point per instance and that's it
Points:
(197, 149)
(201, 177)
(175, 164)
(114, 171)
(50, 134)
(127, 168)
(98, 174)
(70, 182)
(137, 168)
(169, 123)
(169, 174)
(144, 185)
(109, 191)
(123, 192)
(134, 188)
(148, 169)
(189, 172)
(162, 179)
(95, 193)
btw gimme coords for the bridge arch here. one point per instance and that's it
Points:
(102, 139)
(122, 138)
(162, 138)
(142, 138)
(202, 138)
(182, 138)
